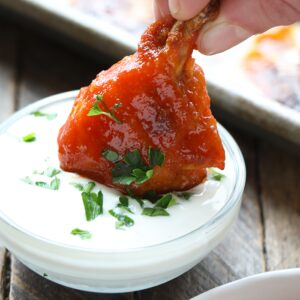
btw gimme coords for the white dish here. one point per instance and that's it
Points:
(277, 285)
(36, 228)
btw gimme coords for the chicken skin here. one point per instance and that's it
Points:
(145, 124)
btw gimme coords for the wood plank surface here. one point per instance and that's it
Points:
(8, 69)
(26, 285)
(280, 192)
(8, 90)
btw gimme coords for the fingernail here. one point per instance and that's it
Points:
(174, 7)
(219, 37)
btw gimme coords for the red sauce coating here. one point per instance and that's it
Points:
(158, 110)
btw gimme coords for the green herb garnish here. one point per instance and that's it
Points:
(156, 157)
(96, 110)
(51, 172)
(166, 201)
(49, 117)
(154, 212)
(83, 234)
(215, 175)
(123, 220)
(185, 195)
(142, 176)
(132, 168)
(160, 206)
(110, 155)
(29, 137)
(136, 198)
(54, 184)
(93, 204)
(45, 274)
(124, 204)
(84, 188)
(152, 196)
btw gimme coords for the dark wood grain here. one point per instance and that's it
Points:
(8, 90)
(280, 192)
(8, 69)
(28, 285)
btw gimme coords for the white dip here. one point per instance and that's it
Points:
(54, 214)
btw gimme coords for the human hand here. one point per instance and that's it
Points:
(238, 19)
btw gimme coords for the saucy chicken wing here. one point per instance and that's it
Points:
(145, 124)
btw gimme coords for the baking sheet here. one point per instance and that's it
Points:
(114, 26)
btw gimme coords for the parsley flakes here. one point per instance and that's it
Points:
(159, 208)
(87, 188)
(93, 205)
(83, 234)
(53, 185)
(215, 175)
(96, 110)
(123, 220)
(49, 117)
(132, 168)
(29, 138)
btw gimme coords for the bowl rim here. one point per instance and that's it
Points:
(234, 197)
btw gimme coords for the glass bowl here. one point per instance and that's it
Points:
(120, 270)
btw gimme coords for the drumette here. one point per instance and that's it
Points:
(145, 124)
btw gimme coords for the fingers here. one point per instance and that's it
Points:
(161, 8)
(239, 19)
(180, 9)
(186, 9)
(221, 35)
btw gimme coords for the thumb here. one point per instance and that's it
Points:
(239, 19)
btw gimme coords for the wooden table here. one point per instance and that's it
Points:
(266, 236)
